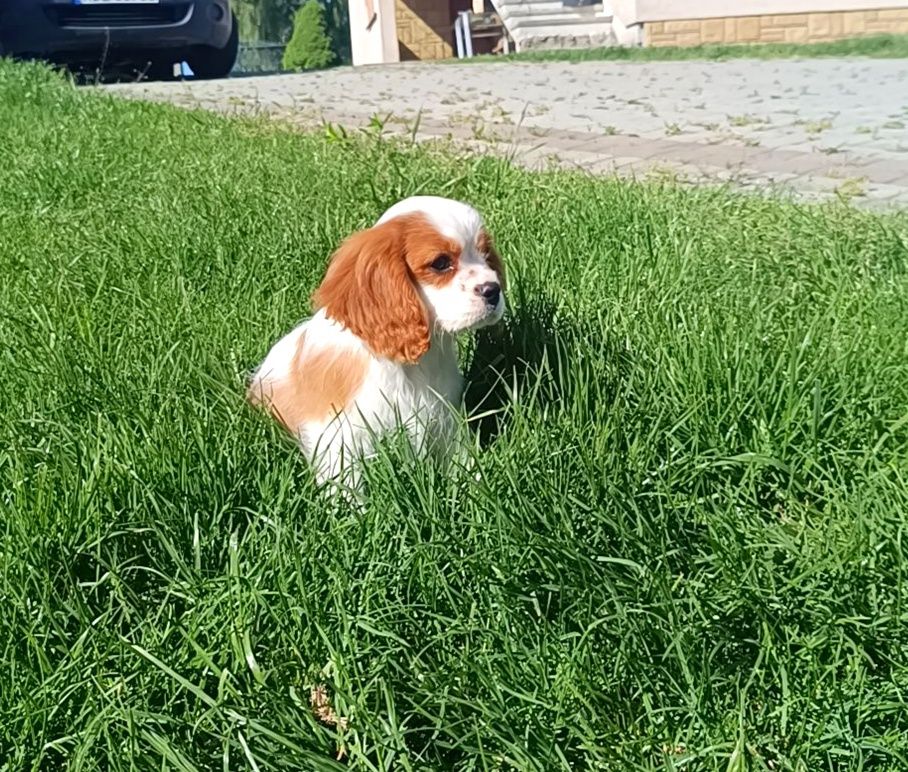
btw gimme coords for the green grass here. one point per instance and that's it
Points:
(687, 549)
(878, 46)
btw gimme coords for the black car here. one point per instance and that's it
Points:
(147, 35)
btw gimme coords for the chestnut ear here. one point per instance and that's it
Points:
(487, 247)
(369, 289)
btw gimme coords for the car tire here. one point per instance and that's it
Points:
(207, 62)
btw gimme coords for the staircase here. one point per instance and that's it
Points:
(549, 24)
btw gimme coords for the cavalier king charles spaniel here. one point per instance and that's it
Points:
(380, 352)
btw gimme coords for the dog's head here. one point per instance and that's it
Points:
(428, 264)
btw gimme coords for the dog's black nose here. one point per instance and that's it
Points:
(490, 290)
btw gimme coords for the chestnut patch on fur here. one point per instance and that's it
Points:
(486, 247)
(319, 385)
(424, 245)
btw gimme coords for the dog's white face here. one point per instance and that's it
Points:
(459, 275)
(427, 265)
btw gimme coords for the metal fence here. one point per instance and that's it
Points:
(257, 57)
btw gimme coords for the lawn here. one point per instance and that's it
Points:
(877, 46)
(687, 549)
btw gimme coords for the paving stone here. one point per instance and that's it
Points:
(757, 124)
(886, 172)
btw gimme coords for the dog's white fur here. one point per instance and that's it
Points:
(338, 390)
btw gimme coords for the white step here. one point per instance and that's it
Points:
(548, 24)
(510, 9)
(516, 7)
(542, 20)
(562, 37)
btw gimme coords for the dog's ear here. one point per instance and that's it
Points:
(369, 290)
(487, 247)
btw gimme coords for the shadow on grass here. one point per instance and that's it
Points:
(539, 352)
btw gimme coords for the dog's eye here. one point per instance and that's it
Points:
(441, 263)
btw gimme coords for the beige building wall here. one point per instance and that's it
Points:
(695, 22)
(783, 28)
(373, 32)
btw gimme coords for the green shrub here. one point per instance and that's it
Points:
(309, 47)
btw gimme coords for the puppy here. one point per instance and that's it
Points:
(380, 352)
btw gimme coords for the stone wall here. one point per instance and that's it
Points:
(785, 28)
(425, 28)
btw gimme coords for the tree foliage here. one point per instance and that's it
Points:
(310, 45)
(272, 20)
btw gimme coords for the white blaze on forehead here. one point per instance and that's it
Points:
(452, 219)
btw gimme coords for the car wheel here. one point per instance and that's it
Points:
(208, 62)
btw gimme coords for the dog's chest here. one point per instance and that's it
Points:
(437, 373)
(425, 393)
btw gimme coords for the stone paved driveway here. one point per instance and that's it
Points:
(818, 128)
